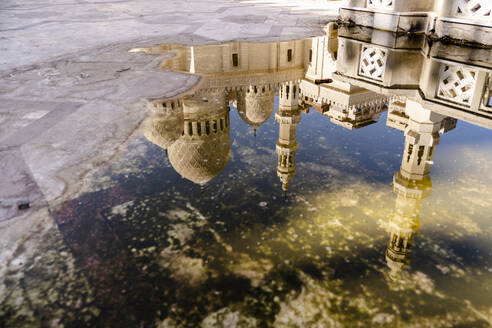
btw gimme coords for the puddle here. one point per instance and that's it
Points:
(265, 197)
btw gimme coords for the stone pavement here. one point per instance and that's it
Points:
(32, 32)
(71, 95)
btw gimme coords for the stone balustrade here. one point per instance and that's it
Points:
(474, 9)
(447, 78)
(464, 20)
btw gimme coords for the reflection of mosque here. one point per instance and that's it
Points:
(195, 129)
(323, 74)
(412, 183)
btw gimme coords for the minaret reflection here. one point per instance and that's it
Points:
(412, 183)
(288, 116)
(404, 223)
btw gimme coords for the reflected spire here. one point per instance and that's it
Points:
(288, 116)
(412, 183)
(404, 223)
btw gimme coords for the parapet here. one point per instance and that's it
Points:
(463, 20)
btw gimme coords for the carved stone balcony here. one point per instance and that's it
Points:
(480, 9)
(446, 78)
(468, 20)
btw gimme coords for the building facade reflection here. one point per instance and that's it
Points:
(249, 76)
(350, 76)
(346, 105)
(195, 129)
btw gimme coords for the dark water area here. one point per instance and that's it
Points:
(163, 243)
